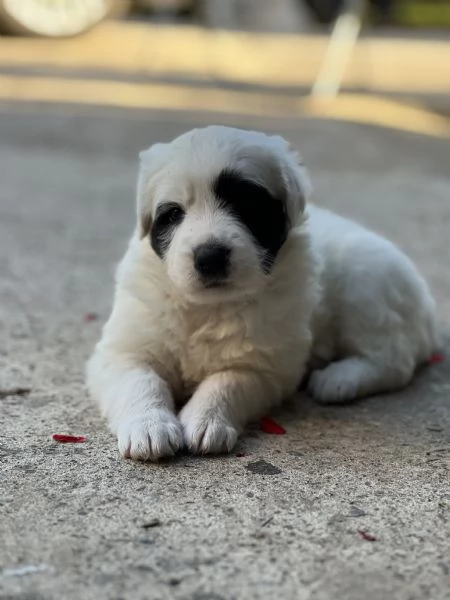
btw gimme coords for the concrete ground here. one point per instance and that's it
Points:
(280, 516)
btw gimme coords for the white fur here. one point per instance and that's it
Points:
(339, 299)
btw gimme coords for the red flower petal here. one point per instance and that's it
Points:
(68, 439)
(90, 316)
(268, 425)
(367, 536)
(435, 358)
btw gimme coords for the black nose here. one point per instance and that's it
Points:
(212, 260)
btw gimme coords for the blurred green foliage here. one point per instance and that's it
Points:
(422, 13)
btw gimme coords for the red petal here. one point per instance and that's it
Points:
(435, 358)
(367, 536)
(91, 316)
(68, 439)
(268, 425)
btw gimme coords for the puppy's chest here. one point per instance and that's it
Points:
(210, 343)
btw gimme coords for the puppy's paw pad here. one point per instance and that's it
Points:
(333, 384)
(155, 434)
(208, 434)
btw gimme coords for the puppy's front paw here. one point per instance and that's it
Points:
(208, 432)
(155, 434)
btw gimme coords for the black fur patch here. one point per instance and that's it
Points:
(261, 213)
(167, 217)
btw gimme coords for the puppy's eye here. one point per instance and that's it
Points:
(170, 214)
(262, 213)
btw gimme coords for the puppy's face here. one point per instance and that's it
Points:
(217, 205)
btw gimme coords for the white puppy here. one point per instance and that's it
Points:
(230, 290)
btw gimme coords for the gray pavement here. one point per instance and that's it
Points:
(94, 526)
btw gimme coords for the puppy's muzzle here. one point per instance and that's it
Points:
(212, 262)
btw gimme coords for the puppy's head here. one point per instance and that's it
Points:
(217, 205)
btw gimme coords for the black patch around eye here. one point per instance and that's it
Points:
(261, 213)
(167, 217)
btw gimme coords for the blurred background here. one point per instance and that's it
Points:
(361, 87)
(68, 17)
(289, 47)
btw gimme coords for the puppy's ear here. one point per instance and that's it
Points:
(145, 224)
(148, 166)
(144, 204)
(298, 184)
(146, 156)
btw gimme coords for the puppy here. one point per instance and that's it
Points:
(231, 289)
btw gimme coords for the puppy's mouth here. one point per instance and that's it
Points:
(214, 285)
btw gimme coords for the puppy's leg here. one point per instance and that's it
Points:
(384, 319)
(138, 405)
(354, 377)
(221, 406)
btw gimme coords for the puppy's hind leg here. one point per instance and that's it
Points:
(354, 377)
(385, 322)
